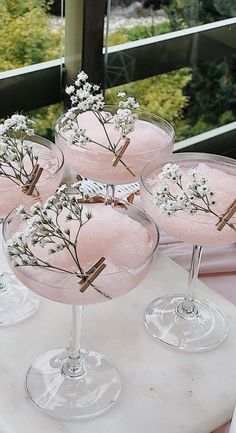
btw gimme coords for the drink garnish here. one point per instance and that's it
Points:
(93, 273)
(227, 215)
(29, 189)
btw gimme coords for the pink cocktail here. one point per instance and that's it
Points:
(82, 383)
(197, 325)
(16, 302)
(152, 137)
(126, 244)
(51, 159)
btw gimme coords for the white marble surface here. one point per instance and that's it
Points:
(163, 391)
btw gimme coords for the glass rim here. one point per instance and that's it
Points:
(151, 253)
(185, 156)
(171, 136)
(37, 139)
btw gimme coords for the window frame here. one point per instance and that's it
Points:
(42, 84)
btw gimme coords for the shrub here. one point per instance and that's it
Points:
(26, 37)
(162, 95)
(137, 32)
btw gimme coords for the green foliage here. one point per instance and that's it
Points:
(138, 32)
(184, 13)
(162, 95)
(212, 89)
(188, 13)
(45, 118)
(117, 37)
(212, 98)
(226, 8)
(142, 32)
(26, 37)
(15, 8)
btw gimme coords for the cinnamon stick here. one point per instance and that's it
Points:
(35, 179)
(93, 272)
(226, 216)
(92, 199)
(120, 152)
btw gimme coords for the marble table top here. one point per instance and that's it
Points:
(164, 390)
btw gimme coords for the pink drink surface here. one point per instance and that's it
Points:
(123, 241)
(12, 195)
(147, 141)
(200, 228)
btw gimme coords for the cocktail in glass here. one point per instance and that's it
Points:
(183, 321)
(152, 137)
(16, 302)
(76, 383)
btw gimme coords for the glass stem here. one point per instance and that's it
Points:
(3, 284)
(110, 193)
(187, 307)
(73, 366)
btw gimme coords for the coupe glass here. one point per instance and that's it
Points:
(153, 137)
(78, 383)
(16, 302)
(183, 321)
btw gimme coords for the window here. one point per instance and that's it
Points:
(202, 38)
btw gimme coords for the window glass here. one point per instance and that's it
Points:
(31, 31)
(131, 20)
(45, 119)
(196, 98)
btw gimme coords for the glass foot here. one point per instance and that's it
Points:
(16, 302)
(71, 398)
(201, 330)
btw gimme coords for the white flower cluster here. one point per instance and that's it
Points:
(18, 126)
(17, 160)
(170, 172)
(192, 197)
(14, 152)
(85, 96)
(42, 228)
(75, 135)
(125, 117)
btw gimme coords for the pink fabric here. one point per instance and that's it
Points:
(217, 270)
(223, 429)
(218, 265)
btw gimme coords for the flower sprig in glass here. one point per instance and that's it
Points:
(82, 264)
(29, 166)
(109, 144)
(192, 198)
(43, 229)
(17, 161)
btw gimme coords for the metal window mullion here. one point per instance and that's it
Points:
(84, 22)
(74, 12)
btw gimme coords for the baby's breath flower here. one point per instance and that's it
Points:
(15, 151)
(17, 126)
(121, 94)
(124, 121)
(192, 196)
(70, 89)
(85, 96)
(61, 189)
(42, 229)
